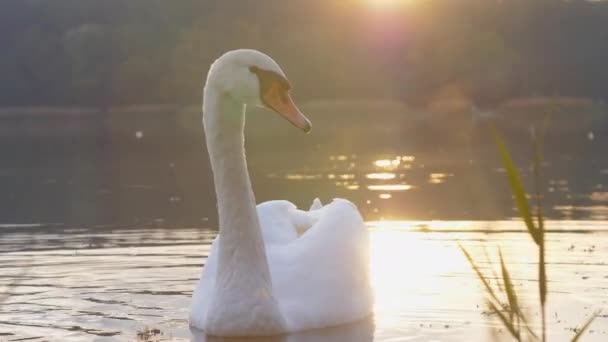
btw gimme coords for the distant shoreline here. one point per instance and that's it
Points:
(525, 107)
(454, 103)
(85, 110)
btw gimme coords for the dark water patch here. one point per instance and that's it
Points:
(100, 314)
(19, 308)
(103, 181)
(147, 333)
(118, 302)
(46, 264)
(67, 328)
(126, 255)
(202, 256)
(147, 315)
(41, 285)
(85, 287)
(28, 248)
(17, 294)
(49, 306)
(163, 293)
(28, 338)
(105, 301)
(31, 277)
(166, 266)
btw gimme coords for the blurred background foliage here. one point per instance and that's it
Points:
(100, 105)
(114, 52)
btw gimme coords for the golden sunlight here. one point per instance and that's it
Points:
(404, 264)
(389, 187)
(387, 4)
(381, 175)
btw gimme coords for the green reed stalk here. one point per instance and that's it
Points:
(542, 273)
(536, 228)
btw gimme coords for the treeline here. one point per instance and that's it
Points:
(114, 52)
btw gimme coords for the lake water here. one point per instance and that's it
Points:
(135, 285)
(96, 205)
(149, 167)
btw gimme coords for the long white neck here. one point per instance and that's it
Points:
(243, 289)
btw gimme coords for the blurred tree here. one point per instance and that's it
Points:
(91, 56)
(42, 66)
(155, 51)
(198, 46)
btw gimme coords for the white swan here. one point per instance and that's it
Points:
(261, 281)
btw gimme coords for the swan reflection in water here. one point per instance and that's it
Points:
(362, 331)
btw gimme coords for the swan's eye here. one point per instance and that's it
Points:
(267, 78)
(272, 85)
(274, 95)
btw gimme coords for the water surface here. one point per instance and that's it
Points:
(135, 284)
(149, 166)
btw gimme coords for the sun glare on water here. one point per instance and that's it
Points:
(407, 268)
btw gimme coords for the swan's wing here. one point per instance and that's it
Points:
(276, 223)
(304, 220)
(279, 221)
(319, 279)
(316, 204)
(322, 278)
(282, 222)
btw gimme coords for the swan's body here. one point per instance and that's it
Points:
(282, 222)
(273, 269)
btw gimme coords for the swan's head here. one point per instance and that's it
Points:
(252, 78)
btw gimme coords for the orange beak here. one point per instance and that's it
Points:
(280, 101)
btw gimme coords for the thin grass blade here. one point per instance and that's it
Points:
(536, 166)
(480, 275)
(511, 296)
(585, 326)
(537, 143)
(542, 276)
(505, 321)
(524, 320)
(498, 283)
(516, 186)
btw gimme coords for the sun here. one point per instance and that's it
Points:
(386, 4)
